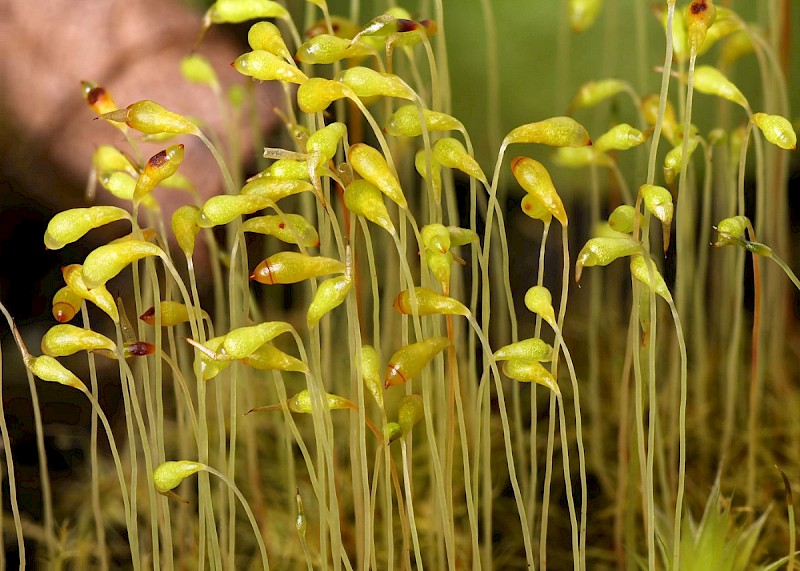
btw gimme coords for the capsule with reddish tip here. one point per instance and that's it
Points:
(98, 98)
(292, 267)
(372, 166)
(264, 66)
(555, 132)
(66, 304)
(428, 302)
(409, 361)
(534, 178)
(160, 166)
(172, 313)
(700, 16)
(138, 349)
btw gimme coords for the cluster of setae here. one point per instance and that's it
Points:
(403, 314)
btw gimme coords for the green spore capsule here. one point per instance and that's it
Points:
(408, 362)
(555, 132)
(266, 36)
(50, 370)
(317, 94)
(366, 82)
(620, 138)
(100, 296)
(640, 272)
(264, 66)
(365, 199)
(105, 262)
(371, 373)
(595, 92)
(372, 166)
(326, 49)
(777, 130)
(539, 301)
(301, 402)
(65, 339)
(152, 118)
(533, 349)
(604, 250)
(410, 412)
(527, 371)
(185, 227)
(451, 153)
(533, 177)
(169, 475)
(289, 228)
(270, 358)
(428, 302)
(236, 11)
(330, 294)
(291, 267)
(404, 122)
(71, 225)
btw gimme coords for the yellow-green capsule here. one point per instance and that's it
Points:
(409, 361)
(622, 219)
(534, 208)
(730, 231)
(392, 432)
(436, 237)
(65, 339)
(428, 302)
(107, 159)
(71, 225)
(620, 138)
(421, 160)
(264, 66)
(289, 228)
(100, 296)
(673, 161)
(292, 267)
(185, 227)
(266, 36)
(105, 262)
(658, 201)
(325, 48)
(410, 412)
(286, 168)
(594, 92)
(66, 304)
(583, 13)
(539, 301)
(440, 264)
(153, 119)
(370, 164)
(641, 273)
(160, 166)
(275, 189)
(405, 122)
(330, 294)
(371, 373)
(738, 45)
(50, 370)
(169, 475)
(236, 11)
(317, 94)
(450, 153)
(270, 358)
(172, 313)
(528, 371)
(244, 341)
(301, 402)
(533, 349)
(365, 199)
(195, 68)
(711, 81)
(221, 209)
(462, 236)
(534, 178)
(669, 123)
(366, 82)
(580, 157)
(555, 132)
(604, 250)
(777, 130)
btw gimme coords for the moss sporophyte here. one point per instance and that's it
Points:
(410, 338)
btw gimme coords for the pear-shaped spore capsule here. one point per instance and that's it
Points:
(292, 267)
(409, 361)
(71, 225)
